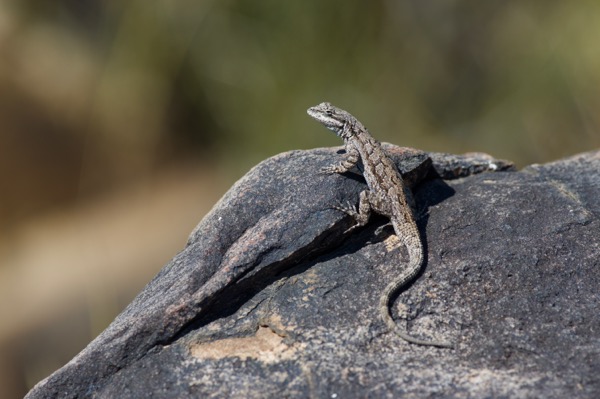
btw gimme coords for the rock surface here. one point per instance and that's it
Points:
(270, 298)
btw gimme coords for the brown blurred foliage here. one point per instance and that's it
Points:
(99, 98)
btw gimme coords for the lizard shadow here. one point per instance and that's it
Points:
(431, 192)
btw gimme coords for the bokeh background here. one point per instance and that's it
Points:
(123, 122)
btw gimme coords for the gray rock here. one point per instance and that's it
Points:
(270, 298)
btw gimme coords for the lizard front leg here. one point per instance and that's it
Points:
(349, 161)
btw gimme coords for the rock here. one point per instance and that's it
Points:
(270, 299)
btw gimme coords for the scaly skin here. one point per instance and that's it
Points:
(386, 196)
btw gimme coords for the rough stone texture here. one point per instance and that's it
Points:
(270, 299)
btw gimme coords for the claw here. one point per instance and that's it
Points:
(348, 209)
(350, 229)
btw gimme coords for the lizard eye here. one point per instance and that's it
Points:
(328, 112)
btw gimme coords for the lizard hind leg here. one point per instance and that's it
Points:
(361, 217)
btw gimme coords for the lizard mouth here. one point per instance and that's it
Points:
(325, 118)
(314, 112)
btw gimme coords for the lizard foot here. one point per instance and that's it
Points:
(328, 170)
(350, 210)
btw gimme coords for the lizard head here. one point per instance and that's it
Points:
(333, 118)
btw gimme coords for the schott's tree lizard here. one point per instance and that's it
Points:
(387, 196)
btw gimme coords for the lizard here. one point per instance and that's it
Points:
(387, 196)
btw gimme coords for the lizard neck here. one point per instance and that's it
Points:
(383, 175)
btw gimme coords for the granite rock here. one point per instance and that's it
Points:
(271, 299)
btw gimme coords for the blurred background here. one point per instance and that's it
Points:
(123, 122)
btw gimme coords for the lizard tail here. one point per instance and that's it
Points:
(415, 252)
